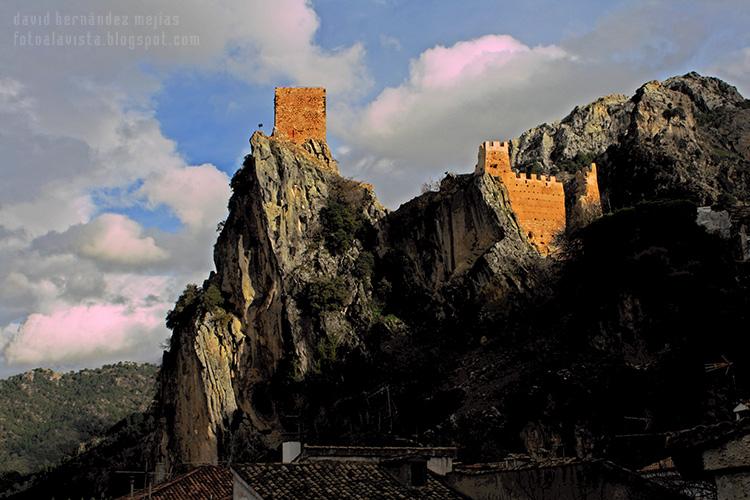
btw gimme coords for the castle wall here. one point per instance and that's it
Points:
(538, 203)
(587, 204)
(588, 186)
(300, 114)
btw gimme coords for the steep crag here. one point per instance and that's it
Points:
(441, 323)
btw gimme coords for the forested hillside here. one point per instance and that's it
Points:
(46, 416)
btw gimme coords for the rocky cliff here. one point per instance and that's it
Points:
(308, 266)
(684, 138)
(254, 312)
(322, 302)
(332, 318)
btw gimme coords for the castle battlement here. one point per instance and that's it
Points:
(494, 145)
(538, 201)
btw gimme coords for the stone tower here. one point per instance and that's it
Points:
(493, 158)
(537, 202)
(587, 204)
(300, 114)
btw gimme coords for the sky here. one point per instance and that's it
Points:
(121, 124)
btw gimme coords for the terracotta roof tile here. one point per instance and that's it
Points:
(207, 482)
(340, 480)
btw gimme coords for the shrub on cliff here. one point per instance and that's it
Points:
(340, 224)
(185, 305)
(579, 161)
(364, 265)
(325, 295)
(191, 299)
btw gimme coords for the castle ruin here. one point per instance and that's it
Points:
(300, 114)
(538, 202)
(587, 204)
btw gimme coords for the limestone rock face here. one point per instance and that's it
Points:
(587, 129)
(282, 297)
(460, 244)
(214, 381)
(685, 137)
(309, 264)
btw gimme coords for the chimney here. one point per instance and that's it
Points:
(440, 465)
(290, 450)
(409, 472)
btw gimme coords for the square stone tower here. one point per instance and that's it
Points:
(300, 114)
(494, 158)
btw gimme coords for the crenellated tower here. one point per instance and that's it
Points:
(538, 202)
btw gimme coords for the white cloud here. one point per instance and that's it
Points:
(198, 195)
(497, 86)
(109, 238)
(80, 120)
(79, 333)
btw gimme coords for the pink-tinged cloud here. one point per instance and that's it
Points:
(459, 75)
(444, 66)
(81, 333)
(116, 238)
(109, 238)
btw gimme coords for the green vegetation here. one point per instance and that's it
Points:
(342, 220)
(341, 224)
(364, 265)
(327, 354)
(46, 416)
(325, 295)
(239, 179)
(536, 169)
(185, 306)
(579, 161)
(212, 298)
(191, 299)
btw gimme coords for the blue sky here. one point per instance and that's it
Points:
(116, 159)
(210, 115)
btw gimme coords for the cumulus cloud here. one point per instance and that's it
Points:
(81, 287)
(79, 121)
(79, 333)
(448, 82)
(197, 195)
(125, 320)
(496, 86)
(110, 238)
(281, 45)
(454, 98)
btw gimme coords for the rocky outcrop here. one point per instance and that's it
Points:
(306, 265)
(588, 129)
(685, 137)
(215, 378)
(444, 302)
(458, 246)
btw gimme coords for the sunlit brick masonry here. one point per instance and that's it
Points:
(538, 202)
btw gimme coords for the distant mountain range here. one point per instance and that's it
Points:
(46, 416)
